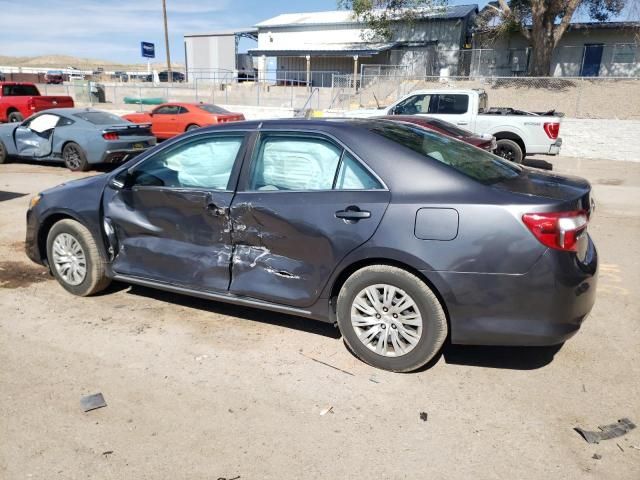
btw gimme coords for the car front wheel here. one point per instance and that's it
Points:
(390, 318)
(75, 260)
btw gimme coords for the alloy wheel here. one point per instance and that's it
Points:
(72, 157)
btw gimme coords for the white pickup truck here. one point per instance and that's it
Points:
(518, 133)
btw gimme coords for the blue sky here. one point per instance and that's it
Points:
(113, 29)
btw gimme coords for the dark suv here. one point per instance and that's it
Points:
(400, 235)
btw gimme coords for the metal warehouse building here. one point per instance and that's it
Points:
(314, 45)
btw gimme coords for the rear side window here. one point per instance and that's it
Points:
(472, 162)
(99, 118)
(20, 91)
(307, 163)
(452, 104)
(293, 163)
(353, 176)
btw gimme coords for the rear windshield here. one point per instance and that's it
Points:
(450, 128)
(213, 109)
(20, 91)
(100, 118)
(472, 162)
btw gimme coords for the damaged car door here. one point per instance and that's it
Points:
(302, 205)
(34, 137)
(167, 218)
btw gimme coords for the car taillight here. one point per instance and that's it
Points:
(558, 230)
(552, 130)
(110, 136)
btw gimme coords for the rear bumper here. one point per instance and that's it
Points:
(120, 156)
(554, 149)
(545, 306)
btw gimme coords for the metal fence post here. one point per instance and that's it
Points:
(140, 98)
(196, 92)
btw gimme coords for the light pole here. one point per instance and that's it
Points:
(166, 41)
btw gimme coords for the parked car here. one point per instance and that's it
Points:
(175, 76)
(2, 77)
(485, 141)
(54, 77)
(121, 76)
(171, 119)
(311, 218)
(79, 137)
(518, 133)
(20, 100)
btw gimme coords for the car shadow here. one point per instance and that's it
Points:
(537, 163)
(510, 358)
(221, 308)
(96, 167)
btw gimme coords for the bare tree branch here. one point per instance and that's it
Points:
(572, 6)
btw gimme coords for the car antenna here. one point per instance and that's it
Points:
(260, 126)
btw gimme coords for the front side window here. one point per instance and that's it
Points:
(166, 110)
(413, 105)
(205, 163)
(473, 162)
(43, 123)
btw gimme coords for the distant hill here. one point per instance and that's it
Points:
(63, 61)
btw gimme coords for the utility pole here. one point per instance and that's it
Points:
(166, 41)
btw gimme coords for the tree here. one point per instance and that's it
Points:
(379, 15)
(544, 22)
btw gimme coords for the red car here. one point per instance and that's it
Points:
(171, 119)
(487, 142)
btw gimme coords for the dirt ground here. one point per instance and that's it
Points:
(201, 390)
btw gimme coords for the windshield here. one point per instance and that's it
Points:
(472, 162)
(100, 118)
(213, 109)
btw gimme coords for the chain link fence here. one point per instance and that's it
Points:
(578, 97)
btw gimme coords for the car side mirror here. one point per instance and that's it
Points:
(121, 180)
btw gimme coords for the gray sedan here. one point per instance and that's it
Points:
(401, 236)
(79, 137)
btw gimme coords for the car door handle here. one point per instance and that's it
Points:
(352, 213)
(462, 123)
(215, 210)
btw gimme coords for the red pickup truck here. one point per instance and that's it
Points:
(21, 100)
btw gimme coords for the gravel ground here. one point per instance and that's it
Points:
(201, 390)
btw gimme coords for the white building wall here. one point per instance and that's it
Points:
(210, 55)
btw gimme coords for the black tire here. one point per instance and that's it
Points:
(192, 127)
(3, 153)
(434, 322)
(510, 150)
(95, 279)
(15, 117)
(74, 157)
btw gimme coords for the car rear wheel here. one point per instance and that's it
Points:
(390, 318)
(75, 260)
(74, 157)
(3, 153)
(510, 150)
(15, 117)
(192, 127)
